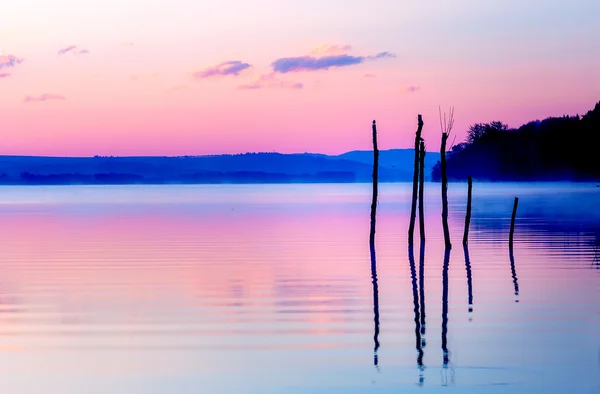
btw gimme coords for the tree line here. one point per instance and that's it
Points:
(556, 148)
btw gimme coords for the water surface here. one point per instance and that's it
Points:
(264, 289)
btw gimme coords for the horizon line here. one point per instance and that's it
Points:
(202, 155)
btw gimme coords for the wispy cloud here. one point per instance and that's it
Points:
(176, 88)
(313, 63)
(136, 77)
(4, 75)
(270, 81)
(367, 75)
(44, 97)
(233, 67)
(73, 49)
(331, 50)
(411, 89)
(9, 61)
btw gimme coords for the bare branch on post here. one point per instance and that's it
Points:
(446, 124)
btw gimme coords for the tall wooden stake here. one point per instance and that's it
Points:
(413, 209)
(446, 124)
(445, 191)
(468, 217)
(372, 245)
(421, 186)
(375, 180)
(512, 223)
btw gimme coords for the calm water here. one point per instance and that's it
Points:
(264, 289)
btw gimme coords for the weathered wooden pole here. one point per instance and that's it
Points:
(375, 190)
(468, 217)
(445, 191)
(421, 186)
(413, 209)
(512, 223)
(372, 247)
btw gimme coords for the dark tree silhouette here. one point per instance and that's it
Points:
(563, 148)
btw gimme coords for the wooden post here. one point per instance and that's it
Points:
(445, 191)
(512, 223)
(421, 186)
(468, 217)
(413, 209)
(375, 180)
(372, 246)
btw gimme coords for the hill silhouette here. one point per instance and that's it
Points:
(554, 149)
(240, 168)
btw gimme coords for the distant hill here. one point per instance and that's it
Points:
(393, 158)
(242, 168)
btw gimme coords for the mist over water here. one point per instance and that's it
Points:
(272, 288)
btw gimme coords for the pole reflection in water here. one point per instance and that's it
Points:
(514, 272)
(422, 290)
(446, 355)
(469, 278)
(375, 305)
(415, 290)
(596, 261)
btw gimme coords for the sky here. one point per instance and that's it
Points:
(188, 77)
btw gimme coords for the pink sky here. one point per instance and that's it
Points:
(177, 77)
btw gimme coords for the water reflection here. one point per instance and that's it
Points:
(445, 307)
(469, 277)
(514, 272)
(416, 307)
(422, 289)
(445, 352)
(596, 261)
(201, 292)
(375, 305)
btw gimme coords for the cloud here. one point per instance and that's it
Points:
(135, 77)
(331, 49)
(73, 49)
(67, 49)
(176, 88)
(313, 63)
(9, 61)
(411, 89)
(367, 75)
(270, 81)
(44, 97)
(233, 67)
(4, 75)
(382, 55)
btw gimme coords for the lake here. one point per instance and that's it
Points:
(268, 288)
